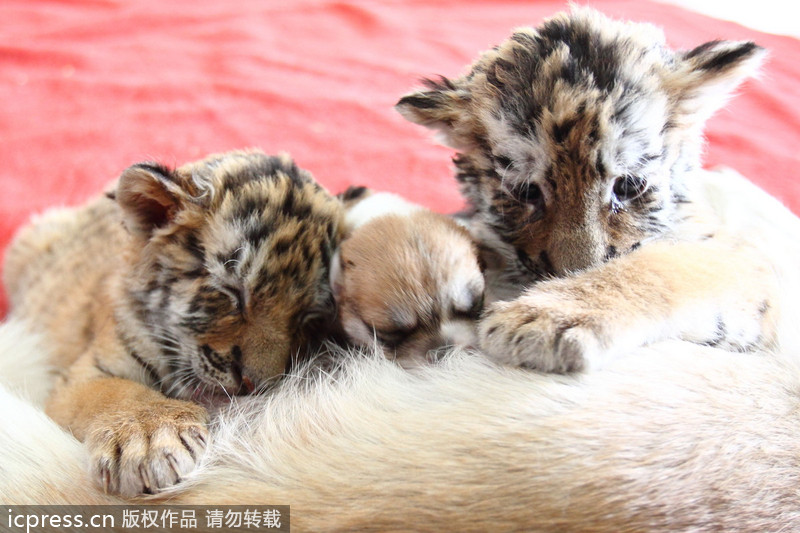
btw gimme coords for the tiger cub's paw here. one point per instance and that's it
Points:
(543, 332)
(148, 448)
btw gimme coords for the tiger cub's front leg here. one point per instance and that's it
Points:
(705, 292)
(139, 440)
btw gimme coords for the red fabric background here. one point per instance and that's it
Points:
(88, 87)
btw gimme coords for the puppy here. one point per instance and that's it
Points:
(405, 278)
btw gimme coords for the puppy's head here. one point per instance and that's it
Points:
(410, 282)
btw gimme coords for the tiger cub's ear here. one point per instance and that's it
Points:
(708, 74)
(150, 195)
(442, 107)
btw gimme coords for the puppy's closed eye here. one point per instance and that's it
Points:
(473, 312)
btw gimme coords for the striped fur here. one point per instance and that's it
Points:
(180, 288)
(578, 142)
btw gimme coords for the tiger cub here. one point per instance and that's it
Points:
(405, 278)
(178, 289)
(579, 149)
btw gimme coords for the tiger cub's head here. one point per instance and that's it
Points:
(575, 137)
(229, 262)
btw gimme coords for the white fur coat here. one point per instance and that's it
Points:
(671, 437)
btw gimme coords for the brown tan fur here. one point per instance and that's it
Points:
(405, 278)
(177, 290)
(578, 143)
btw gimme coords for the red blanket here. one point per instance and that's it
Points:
(88, 87)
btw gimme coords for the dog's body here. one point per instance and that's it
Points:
(667, 438)
(675, 437)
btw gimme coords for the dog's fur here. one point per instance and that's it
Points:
(405, 278)
(667, 438)
(678, 437)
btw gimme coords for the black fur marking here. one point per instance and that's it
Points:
(551, 181)
(725, 59)
(599, 166)
(503, 161)
(420, 102)
(288, 203)
(301, 211)
(562, 130)
(247, 206)
(526, 262)
(148, 368)
(720, 333)
(214, 358)
(236, 354)
(99, 366)
(467, 172)
(492, 74)
(265, 287)
(680, 198)
(256, 235)
(353, 192)
(194, 274)
(594, 131)
(282, 246)
(192, 244)
(547, 265)
(236, 363)
(156, 169)
(262, 168)
(592, 58)
(702, 48)
(442, 84)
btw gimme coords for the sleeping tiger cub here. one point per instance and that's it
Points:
(579, 149)
(178, 289)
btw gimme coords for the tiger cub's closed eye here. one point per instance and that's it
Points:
(236, 296)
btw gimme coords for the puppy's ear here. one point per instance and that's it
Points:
(150, 196)
(441, 107)
(708, 74)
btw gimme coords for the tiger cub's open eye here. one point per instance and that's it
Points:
(531, 194)
(629, 187)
